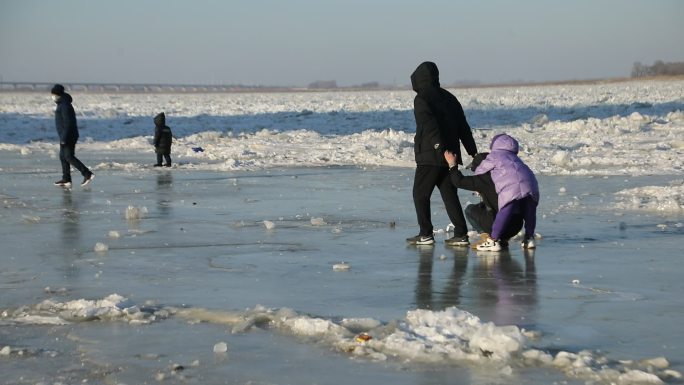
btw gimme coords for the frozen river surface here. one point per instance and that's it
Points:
(234, 277)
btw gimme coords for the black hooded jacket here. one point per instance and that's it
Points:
(440, 120)
(65, 120)
(162, 135)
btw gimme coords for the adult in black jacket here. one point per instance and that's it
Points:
(65, 122)
(162, 140)
(440, 125)
(481, 215)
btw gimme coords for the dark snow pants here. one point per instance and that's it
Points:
(424, 183)
(67, 155)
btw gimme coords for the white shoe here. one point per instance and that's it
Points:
(490, 245)
(421, 240)
(528, 243)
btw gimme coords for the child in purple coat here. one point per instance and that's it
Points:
(517, 189)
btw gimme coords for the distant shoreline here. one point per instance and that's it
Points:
(42, 87)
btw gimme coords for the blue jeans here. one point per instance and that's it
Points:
(67, 155)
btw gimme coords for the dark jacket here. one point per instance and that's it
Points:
(65, 120)
(440, 120)
(162, 135)
(482, 184)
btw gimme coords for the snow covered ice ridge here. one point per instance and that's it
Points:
(653, 198)
(111, 308)
(451, 336)
(630, 128)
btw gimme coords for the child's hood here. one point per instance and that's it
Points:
(504, 142)
(160, 119)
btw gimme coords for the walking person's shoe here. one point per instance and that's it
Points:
(457, 240)
(490, 245)
(528, 243)
(87, 179)
(421, 240)
(157, 165)
(63, 183)
(167, 165)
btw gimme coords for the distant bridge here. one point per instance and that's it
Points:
(132, 88)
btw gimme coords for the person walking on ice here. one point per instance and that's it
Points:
(67, 129)
(441, 125)
(162, 140)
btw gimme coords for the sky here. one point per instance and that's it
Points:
(296, 42)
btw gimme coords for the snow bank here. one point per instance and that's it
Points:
(653, 198)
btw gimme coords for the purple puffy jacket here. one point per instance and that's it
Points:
(512, 178)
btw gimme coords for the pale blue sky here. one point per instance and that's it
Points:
(295, 42)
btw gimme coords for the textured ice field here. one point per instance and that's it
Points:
(249, 276)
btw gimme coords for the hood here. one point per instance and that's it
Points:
(425, 76)
(160, 119)
(503, 142)
(64, 98)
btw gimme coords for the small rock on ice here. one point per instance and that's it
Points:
(269, 225)
(575, 281)
(5, 351)
(220, 347)
(114, 234)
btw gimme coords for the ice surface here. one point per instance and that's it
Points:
(238, 244)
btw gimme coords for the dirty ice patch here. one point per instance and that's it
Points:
(669, 199)
(111, 308)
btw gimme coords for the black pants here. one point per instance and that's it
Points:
(481, 219)
(424, 183)
(67, 155)
(167, 157)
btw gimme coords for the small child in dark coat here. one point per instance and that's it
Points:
(162, 140)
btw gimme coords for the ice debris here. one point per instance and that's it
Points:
(135, 213)
(101, 247)
(220, 347)
(318, 222)
(343, 266)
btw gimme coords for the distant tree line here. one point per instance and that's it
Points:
(323, 85)
(659, 68)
